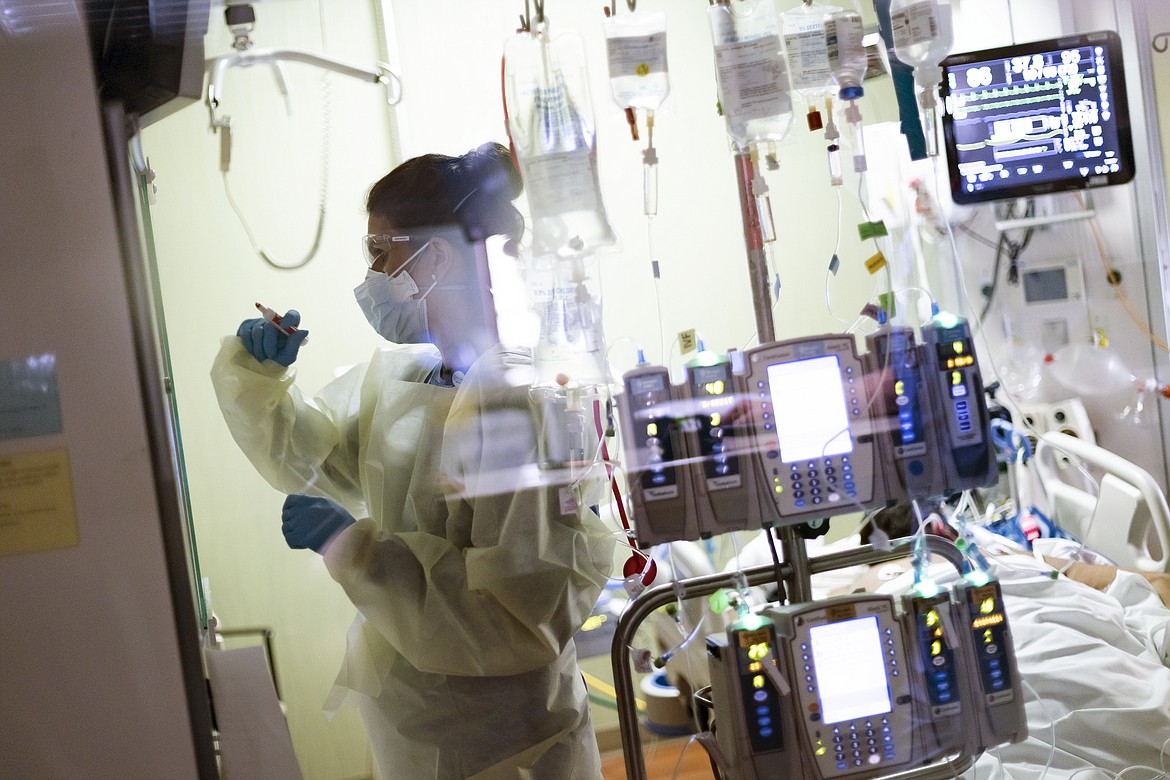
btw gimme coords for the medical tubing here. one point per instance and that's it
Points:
(921, 557)
(1160, 776)
(682, 753)
(326, 115)
(1051, 726)
(1141, 324)
(1105, 772)
(655, 272)
(611, 471)
(1161, 761)
(259, 250)
(830, 272)
(683, 645)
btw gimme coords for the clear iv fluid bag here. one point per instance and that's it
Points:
(751, 74)
(923, 31)
(635, 45)
(805, 50)
(567, 298)
(844, 31)
(550, 121)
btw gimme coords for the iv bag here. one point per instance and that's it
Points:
(567, 298)
(805, 50)
(846, 52)
(923, 31)
(751, 75)
(550, 121)
(636, 51)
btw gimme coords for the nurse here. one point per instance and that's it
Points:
(415, 476)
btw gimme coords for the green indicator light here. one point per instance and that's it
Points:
(750, 622)
(977, 578)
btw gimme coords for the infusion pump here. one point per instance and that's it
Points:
(805, 429)
(865, 685)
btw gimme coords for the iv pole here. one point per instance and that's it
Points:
(792, 545)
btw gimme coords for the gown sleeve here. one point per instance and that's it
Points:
(298, 444)
(518, 567)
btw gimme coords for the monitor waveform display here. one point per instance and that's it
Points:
(1035, 118)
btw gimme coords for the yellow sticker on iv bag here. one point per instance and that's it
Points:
(37, 509)
(688, 341)
(875, 263)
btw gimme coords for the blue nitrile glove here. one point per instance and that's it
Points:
(310, 522)
(265, 341)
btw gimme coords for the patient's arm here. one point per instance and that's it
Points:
(1099, 576)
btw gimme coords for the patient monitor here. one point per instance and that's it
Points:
(865, 685)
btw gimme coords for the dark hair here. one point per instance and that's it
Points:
(474, 190)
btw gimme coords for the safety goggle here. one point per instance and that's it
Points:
(376, 248)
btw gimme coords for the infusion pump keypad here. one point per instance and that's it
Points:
(815, 460)
(855, 698)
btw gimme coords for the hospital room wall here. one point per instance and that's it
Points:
(210, 276)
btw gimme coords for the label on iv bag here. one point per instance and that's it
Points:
(560, 183)
(636, 55)
(637, 70)
(808, 59)
(914, 24)
(753, 83)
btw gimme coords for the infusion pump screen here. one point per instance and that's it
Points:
(1036, 118)
(808, 399)
(850, 669)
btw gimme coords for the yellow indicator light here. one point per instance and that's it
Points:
(935, 648)
(779, 488)
(958, 347)
(990, 620)
(956, 377)
(652, 429)
(716, 419)
(715, 388)
(987, 607)
(932, 618)
(987, 636)
(821, 751)
(899, 387)
(758, 681)
(758, 652)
